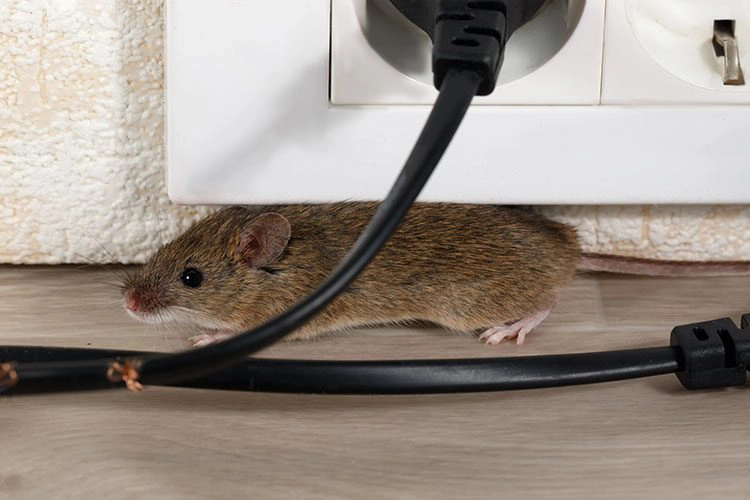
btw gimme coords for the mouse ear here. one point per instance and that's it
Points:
(263, 239)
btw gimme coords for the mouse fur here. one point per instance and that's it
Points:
(468, 268)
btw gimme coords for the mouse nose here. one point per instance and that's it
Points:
(142, 299)
(133, 302)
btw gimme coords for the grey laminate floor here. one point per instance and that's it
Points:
(638, 439)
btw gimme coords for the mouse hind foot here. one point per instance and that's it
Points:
(516, 329)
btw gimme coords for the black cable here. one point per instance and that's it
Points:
(704, 355)
(382, 377)
(456, 92)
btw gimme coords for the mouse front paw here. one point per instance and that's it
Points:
(515, 330)
(205, 339)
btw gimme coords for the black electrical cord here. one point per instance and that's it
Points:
(703, 355)
(383, 377)
(456, 92)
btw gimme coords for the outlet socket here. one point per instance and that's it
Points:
(378, 57)
(661, 52)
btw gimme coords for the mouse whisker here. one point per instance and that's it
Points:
(94, 264)
(113, 259)
(202, 320)
(117, 269)
(97, 266)
(115, 284)
(178, 331)
(121, 274)
(85, 266)
(109, 301)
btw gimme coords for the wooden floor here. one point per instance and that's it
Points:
(637, 439)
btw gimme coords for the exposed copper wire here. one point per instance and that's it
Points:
(126, 372)
(8, 375)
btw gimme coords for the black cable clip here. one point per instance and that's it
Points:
(713, 353)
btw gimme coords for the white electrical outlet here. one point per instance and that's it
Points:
(378, 57)
(325, 102)
(661, 52)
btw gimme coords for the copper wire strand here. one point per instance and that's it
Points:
(8, 375)
(126, 372)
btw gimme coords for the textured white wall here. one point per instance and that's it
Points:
(81, 156)
(662, 232)
(81, 104)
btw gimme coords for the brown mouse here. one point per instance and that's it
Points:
(470, 268)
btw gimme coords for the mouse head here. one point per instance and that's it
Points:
(213, 275)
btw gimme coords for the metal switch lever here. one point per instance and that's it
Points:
(725, 45)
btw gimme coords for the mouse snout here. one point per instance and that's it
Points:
(132, 302)
(142, 300)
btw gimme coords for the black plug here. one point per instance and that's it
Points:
(468, 34)
(713, 353)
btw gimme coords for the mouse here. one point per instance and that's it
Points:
(496, 271)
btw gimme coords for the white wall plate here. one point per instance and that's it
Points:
(250, 117)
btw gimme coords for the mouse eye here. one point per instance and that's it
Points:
(191, 277)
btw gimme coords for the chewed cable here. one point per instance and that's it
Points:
(704, 355)
(389, 377)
